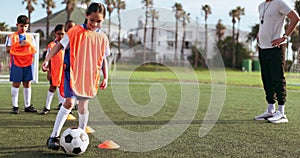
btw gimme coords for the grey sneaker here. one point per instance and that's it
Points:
(53, 143)
(278, 118)
(264, 116)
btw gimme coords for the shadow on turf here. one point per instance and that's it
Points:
(21, 152)
(25, 123)
(163, 122)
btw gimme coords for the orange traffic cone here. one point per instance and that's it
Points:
(109, 144)
(89, 130)
(71, 117)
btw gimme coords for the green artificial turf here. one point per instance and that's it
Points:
(234, 133)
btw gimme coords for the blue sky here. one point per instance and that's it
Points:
(10, 9)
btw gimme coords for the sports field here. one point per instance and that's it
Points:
(234, 132)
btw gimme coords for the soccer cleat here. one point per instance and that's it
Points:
(264, 116)
(30, 109)
(59, 105)
(278, 118)
(45, 111)
(15, 110)
(53, 143)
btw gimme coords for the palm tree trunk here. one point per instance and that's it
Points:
(233, 46)
(206, 34)
(196, 54)
(176, 39)
(238, 32)
(183, 43)
(119, 37)
(68, 15)
(47, 27)
(145, 34)
(29, 17)
(152, 36)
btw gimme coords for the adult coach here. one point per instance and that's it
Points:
(271, 41)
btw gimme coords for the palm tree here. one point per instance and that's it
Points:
(207, 10)
(148, 4)
(195, 47)
(110, 8)
(119, 6)
(295, 44)
(70, 5)
(185, 19)
(233, 14)
(240, 11)
(177, 8)
(48, 4)
(154, 16)
(4, 26)
(220, 30)
(252, 36)
(30, 8)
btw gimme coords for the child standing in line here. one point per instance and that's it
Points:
(22, 47)
(54, 74)
(89, 47)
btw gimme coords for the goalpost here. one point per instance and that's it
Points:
(5, 58)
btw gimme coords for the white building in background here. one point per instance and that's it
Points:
(164, 40)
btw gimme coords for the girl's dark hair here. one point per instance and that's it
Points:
(59, 27)
(95, 7)
(23, 19)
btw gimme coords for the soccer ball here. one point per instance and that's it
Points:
(74, 141)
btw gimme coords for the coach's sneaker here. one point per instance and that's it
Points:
(15, 110)
(264, 116)
(45, 111)
(30, 109)
(53, 143)
(278, 118)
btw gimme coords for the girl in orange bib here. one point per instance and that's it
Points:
(89, 47)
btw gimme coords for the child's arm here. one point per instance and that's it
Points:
(8, 44)
(7, 49)
(49, 77)
(103, 84)
(54, 50)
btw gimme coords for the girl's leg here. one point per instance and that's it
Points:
(83, 113)
(50, 94)
(60, 98)
(62, 116)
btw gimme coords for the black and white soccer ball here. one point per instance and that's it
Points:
(74, 141)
